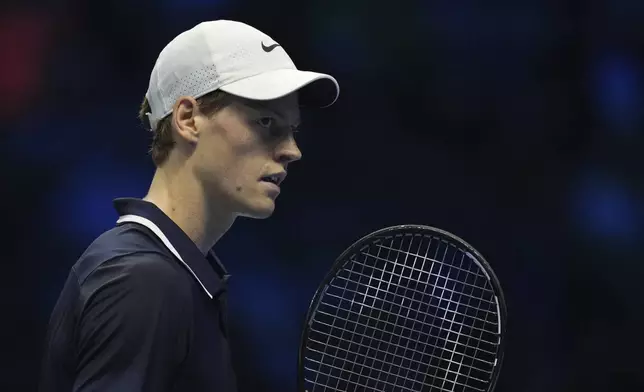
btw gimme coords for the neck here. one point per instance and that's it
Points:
(181, 197)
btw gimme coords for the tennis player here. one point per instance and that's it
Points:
(144, 308)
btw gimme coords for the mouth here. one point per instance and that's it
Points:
(275, 179)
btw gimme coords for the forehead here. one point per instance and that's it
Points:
(287, 107)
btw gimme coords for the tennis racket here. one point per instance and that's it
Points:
(406, 308)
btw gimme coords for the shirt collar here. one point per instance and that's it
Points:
(182, 247)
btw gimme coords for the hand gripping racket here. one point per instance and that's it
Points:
(406, 308)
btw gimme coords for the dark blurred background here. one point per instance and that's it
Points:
(517, 125)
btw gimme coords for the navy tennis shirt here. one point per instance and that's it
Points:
(142, 310)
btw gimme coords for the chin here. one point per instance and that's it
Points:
(261, 210)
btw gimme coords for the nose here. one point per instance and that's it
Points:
(288, 151)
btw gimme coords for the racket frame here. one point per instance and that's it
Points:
(343, 259)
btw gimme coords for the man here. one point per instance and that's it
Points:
(143, 309)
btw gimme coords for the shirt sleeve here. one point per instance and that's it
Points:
(135, 326)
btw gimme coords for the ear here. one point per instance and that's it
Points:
(185, 112)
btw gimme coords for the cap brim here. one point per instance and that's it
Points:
(315, 89)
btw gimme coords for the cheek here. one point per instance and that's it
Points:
(212, 165)
(212, 156)
(232, 158)
(244, 172)
(231, 168)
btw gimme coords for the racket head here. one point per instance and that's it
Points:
(388, 234)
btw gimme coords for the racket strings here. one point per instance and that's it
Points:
(398, 356)
(405, 328)
(451, 280)
(423, 318)
(413, 290)
(368, 377)
(441, 374)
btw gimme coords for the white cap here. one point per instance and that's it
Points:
(233, 57)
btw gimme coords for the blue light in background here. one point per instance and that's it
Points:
(618, 93)
(339, 40)
(81, 206)
(454, 21)
(263, 304)
(34, 141)
(606, 209)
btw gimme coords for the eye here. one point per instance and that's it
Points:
(266, 122)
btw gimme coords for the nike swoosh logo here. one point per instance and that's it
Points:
(269, 48)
